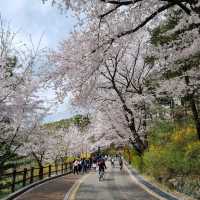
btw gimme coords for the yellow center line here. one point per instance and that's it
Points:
(72, 195)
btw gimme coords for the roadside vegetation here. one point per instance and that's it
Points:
(173, 157)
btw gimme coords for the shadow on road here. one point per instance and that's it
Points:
(108, 179)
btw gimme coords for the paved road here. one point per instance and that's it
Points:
(117, 185)
(51, 190)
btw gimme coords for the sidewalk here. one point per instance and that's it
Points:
(52, 190)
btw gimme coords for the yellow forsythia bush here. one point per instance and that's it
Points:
(174, 152)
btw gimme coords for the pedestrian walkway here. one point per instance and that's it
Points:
(117, 185)
(51, 190)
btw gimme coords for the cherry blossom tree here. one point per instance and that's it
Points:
(58, 147)
(45, 145)
(129, 16)
(76, 139)
(37, 145)
(98, 66)
(117, 77)
(176, 43)
(19, 103)
(103, 131)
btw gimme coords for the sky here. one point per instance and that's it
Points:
(32, 17)
(35, 18)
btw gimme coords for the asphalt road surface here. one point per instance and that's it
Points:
(55, 189)
(117, 185)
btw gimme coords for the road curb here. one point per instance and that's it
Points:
(149, 187)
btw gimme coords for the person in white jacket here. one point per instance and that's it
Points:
(75, 166)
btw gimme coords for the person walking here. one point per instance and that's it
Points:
(112, 162)
(120, 163)
(79, 166)
(84, 166)
(75, 167)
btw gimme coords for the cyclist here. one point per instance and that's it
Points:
(120, 163)
(102, 167)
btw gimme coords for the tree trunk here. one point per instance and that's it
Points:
(144, 124)
(193, 108)
(195, 115)
(1, 169)
(172, 106)
(5, 157)
(39, 161)
(138, 144)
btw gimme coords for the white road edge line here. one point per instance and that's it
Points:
(143, 186)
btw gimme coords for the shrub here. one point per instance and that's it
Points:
(174, 154)
(173, 157)
(193, 157)
(136, 161)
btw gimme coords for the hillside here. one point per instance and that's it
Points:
(79, 120)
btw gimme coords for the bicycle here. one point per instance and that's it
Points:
(101, 175)
(121, 167)
(112, 164)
